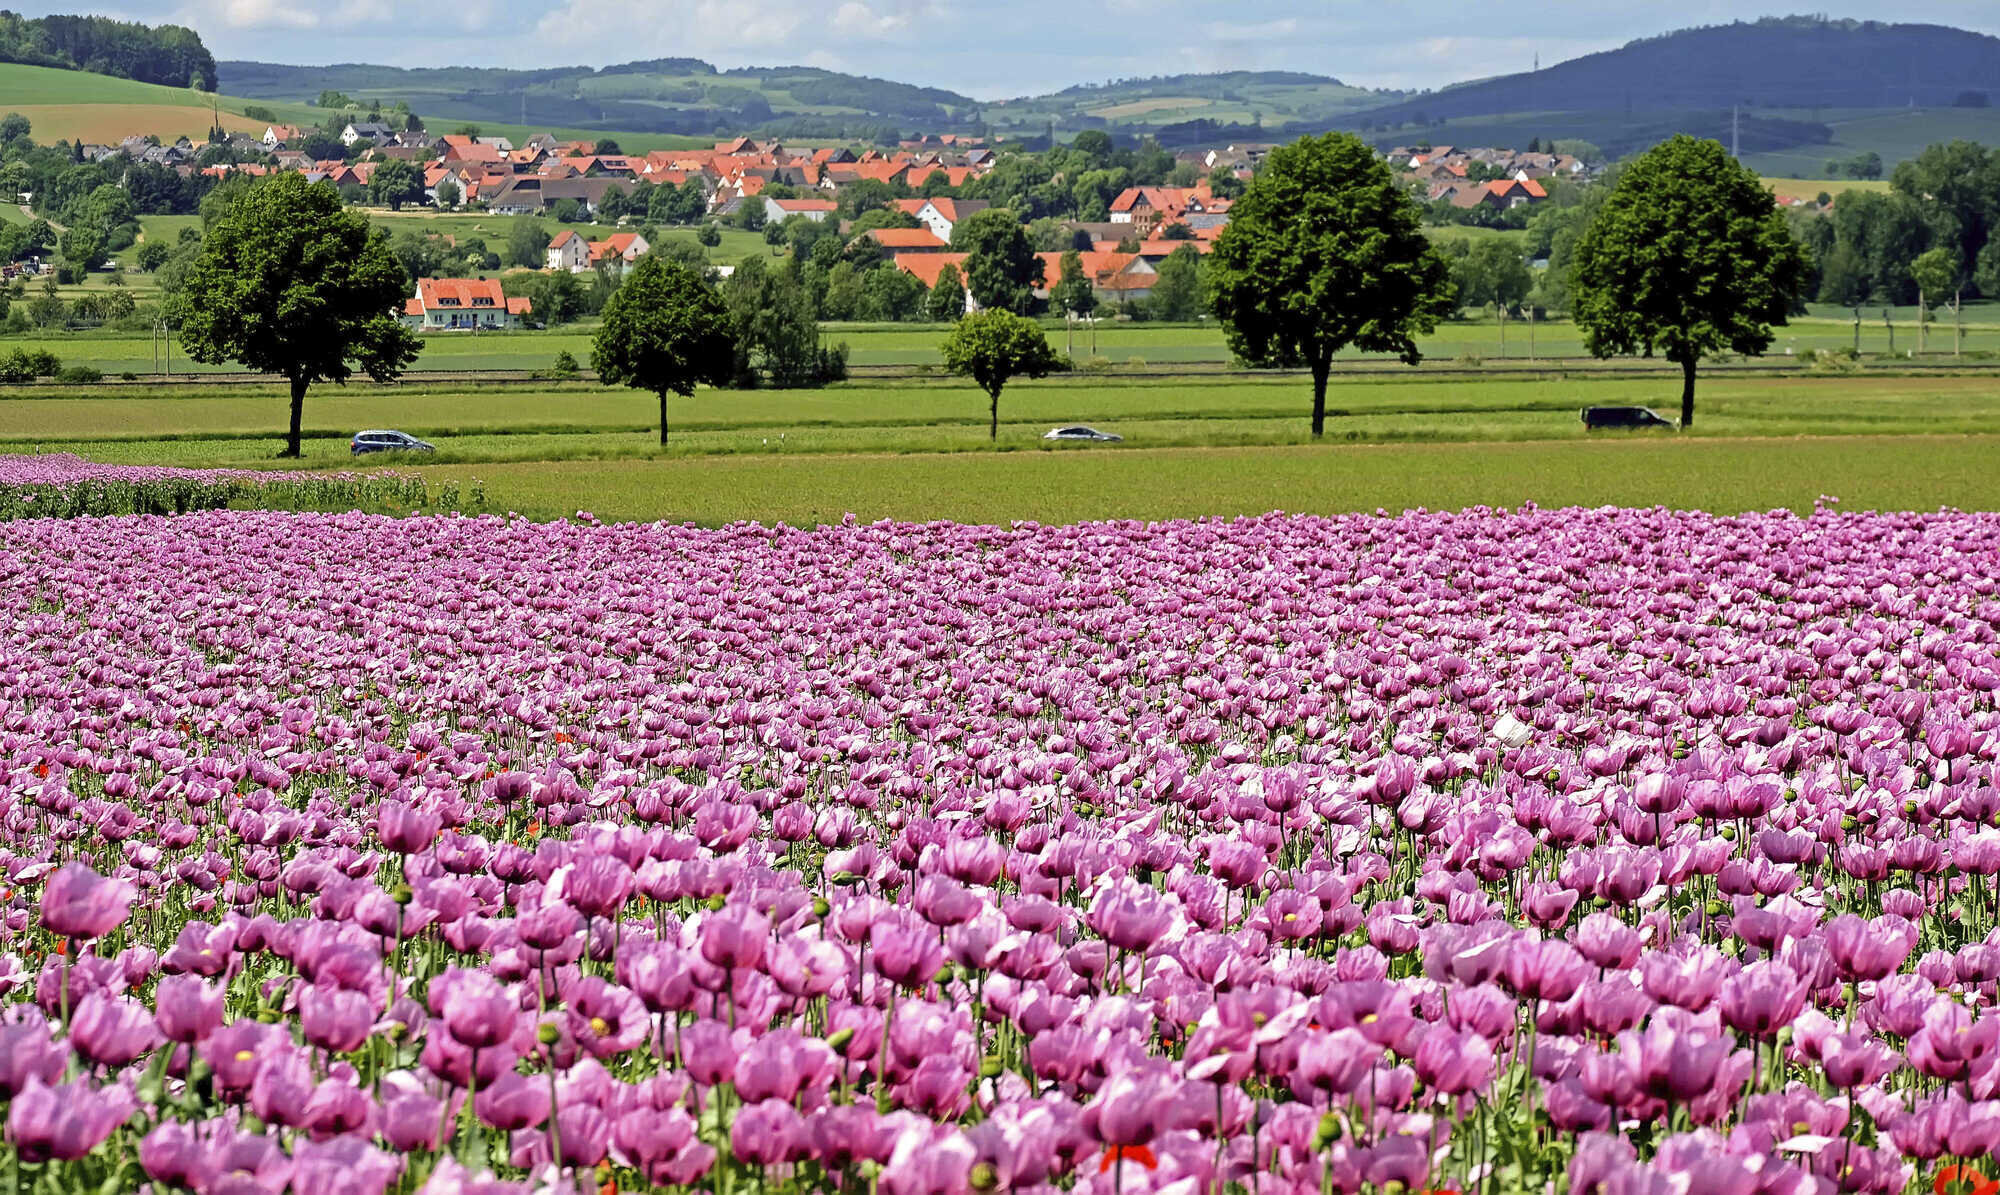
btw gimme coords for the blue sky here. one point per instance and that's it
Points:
(988, 50)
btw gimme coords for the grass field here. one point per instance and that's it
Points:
(1720, 475)
(66, 105)
(1216, 445)
(1129, 345)
(1808, 188)
(191, 425)
(1895, 133)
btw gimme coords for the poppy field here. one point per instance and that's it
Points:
(1511, 851)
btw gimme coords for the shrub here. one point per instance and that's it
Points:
(80, 375)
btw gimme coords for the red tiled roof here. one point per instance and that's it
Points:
(906, 238)
(469, 294)
(800, 206)
(925, 267)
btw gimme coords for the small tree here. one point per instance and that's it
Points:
(1688, 257)
(665, 330)
(527, 244)
(394, 183)
(1001, 269)
(290, 282)
(449, 192)
(1177, 291)
(1936, 276)
(993, 347)
(1073, 294)
(946, 302)
(1325, 250)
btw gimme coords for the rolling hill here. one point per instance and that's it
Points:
(1779, 85)
(1242, 98)
(68, 105)
(672, 96)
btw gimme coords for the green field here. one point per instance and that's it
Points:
(1192, 445)
(1889, 473)
(66, 105)
(1895, 133)
(1469, 343)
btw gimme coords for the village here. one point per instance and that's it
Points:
(755, 184)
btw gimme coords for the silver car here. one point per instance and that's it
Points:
(388, 441)
(1078, 433)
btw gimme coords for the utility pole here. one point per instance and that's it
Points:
(1735, 129)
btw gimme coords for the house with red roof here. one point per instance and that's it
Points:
(570, 251)
(907, 240)
(464, 304)
(941, 215)
(1500, 194)
(927, 267)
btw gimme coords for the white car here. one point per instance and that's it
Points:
(1081, 434)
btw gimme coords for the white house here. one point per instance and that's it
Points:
(370, 131)
(941, 215)
(816, 210)
(463, 304)
(569, 252)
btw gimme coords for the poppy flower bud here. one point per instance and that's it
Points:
(840, 1038)
(402, 894)
(989, 1067)
(547, 1034)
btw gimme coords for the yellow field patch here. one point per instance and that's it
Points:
(1141, 107)
(108, 124)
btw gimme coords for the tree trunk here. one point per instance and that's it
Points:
(1687, 392)
(1531, 333)
(993, 422)
(1957, 324)
(1503, 332)
(1890, 324)
(1857, 329)
(1321, 367)
(1923, 324)
(298, 416)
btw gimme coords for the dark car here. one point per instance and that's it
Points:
(387, 441)
(1080, 434)
(1601, 417)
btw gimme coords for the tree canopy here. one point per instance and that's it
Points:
(1001, 270)
(288, 281)
(665, 330)
(1324, 251)
(1687, 257)
(995, 346)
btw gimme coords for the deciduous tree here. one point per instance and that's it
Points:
(1001, 270)
(1688, 257)
(1324, 250)
(290, 282)
(995, 346)
(665, 330)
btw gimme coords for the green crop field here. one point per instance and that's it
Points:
(66, 105)
(1220, 444)
(1722, 475)
(1895, 133)
(1466, 343)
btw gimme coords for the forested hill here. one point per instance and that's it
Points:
(169, 54)
(672, 95)
(1779, 62)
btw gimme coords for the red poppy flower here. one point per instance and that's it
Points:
(1128, 1153)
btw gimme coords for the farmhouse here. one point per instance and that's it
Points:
(373, 132)
(816, 210)
(942, 215)
(569, 251)
(907, 240)
(463, 304)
